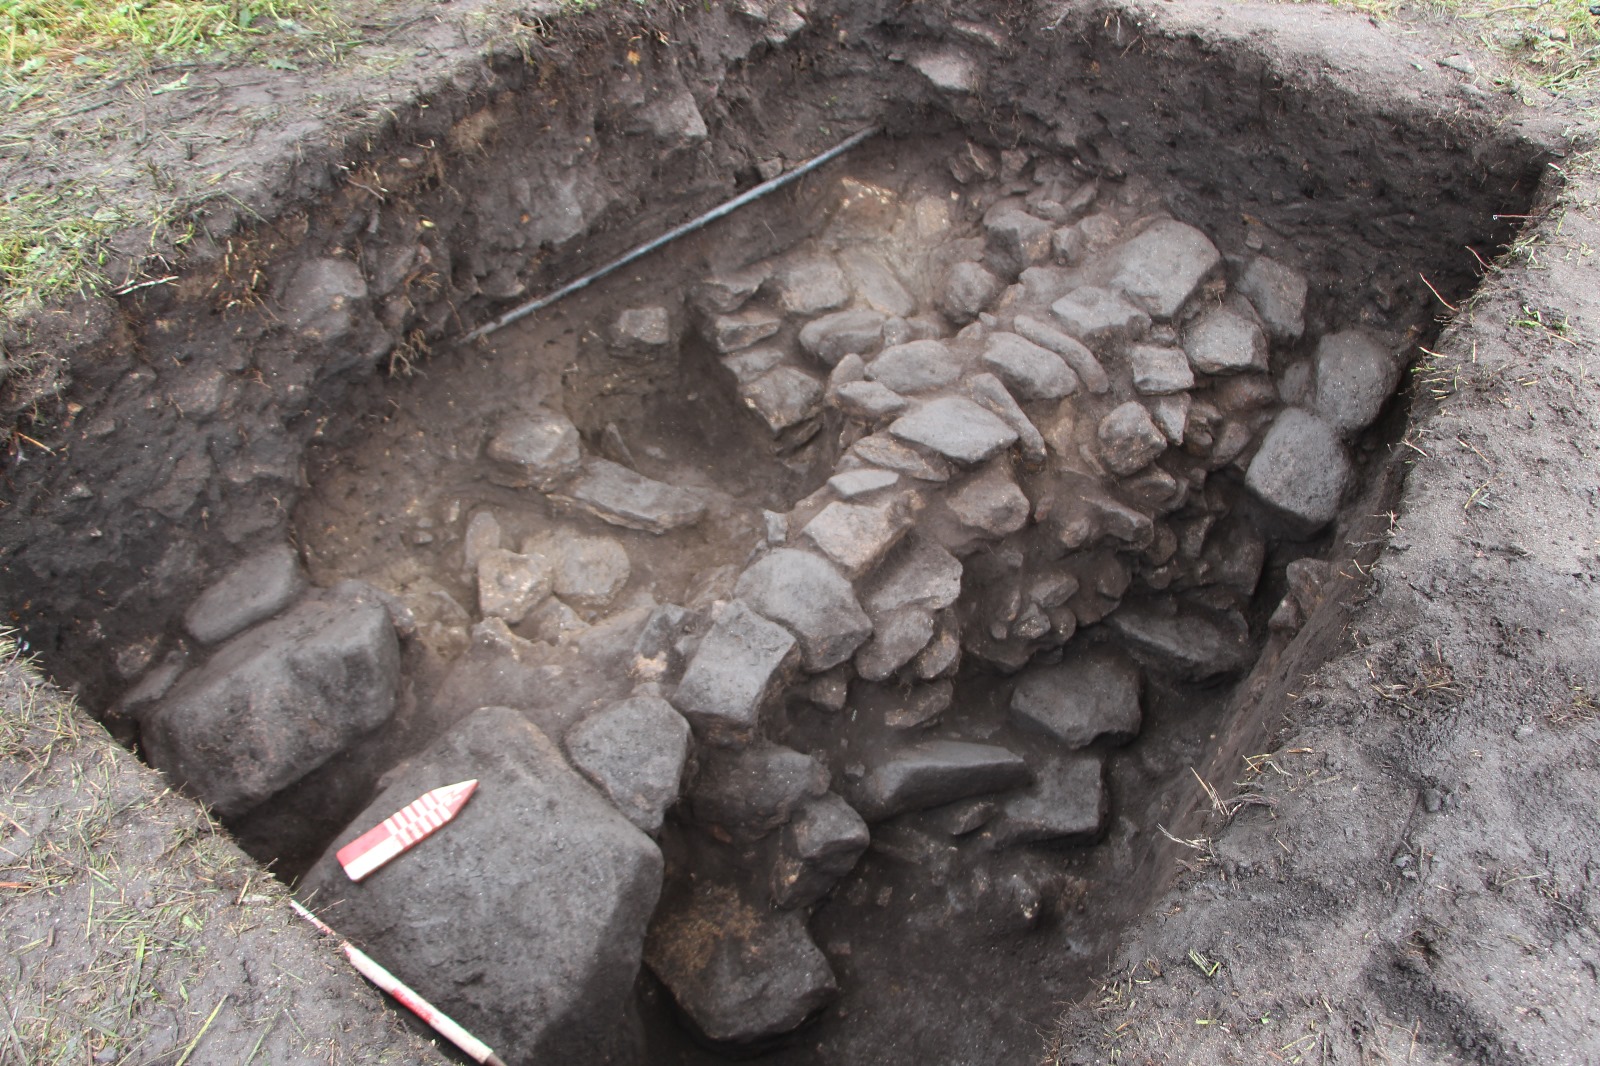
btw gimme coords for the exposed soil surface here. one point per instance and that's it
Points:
(1395, 860)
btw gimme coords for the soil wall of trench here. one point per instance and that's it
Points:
(183, 444)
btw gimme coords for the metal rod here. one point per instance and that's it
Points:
(715, 213)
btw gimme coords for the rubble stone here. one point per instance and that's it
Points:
(615, 494)
(919, 366)
(956, 428)
(821, 843)
(1278, 293)
(1159, 371)
(253, 590)
(534, 450)
(1355, 376)
(1030, 371)
(932, 773)
(1162, 267)
(737, 667)
(1088, 696)
(1099, 317)
(634, 751)
(805, 593)
(832, 337)
(968, 289)
(1223, 341)
(1129, 440)
(1301, 468)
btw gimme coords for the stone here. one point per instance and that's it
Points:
(932, 773)
(634, 751)
(1159, 371)
(1223, 341)
(619, 496)
(641, 331)
(949, 69)
(991, 503)
(510, 585)
(1099, 317)
(811, 286)
(869, 401)
(805, 593)
(748, 792)
(752, 363)
(921, 574)
(850, 368)
(919, 706)
(525, 920)
(1355, 376)
(856, 536)
(730, 333)
(821, 843)
(974, 162)
(832, 337)
(588, 571)
(993, 396)
(1080, 359)
(156, 683)
(783, 397)
(722, 294)
(533, 450)
(1098, 231)
(322, 297)
(856, 483)
(955, 428)
(968, 289)
(482, 535)
(1030, 371)
(661, 649)
(1301, 468)
(1191, 643)
(740, 972)
(897, 637)
(915, 367)
(1089, 696)
(1171, 415)
(552, 622)
(1129, 440)
(1278, 293)
(1065, 804)
(1162, 267)
(738, 666)
(876, 284)
(943, 654)
(883, 451)
(1016, 239)
(251, 591)
(278, 700)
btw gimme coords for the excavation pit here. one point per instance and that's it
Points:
(851, 587)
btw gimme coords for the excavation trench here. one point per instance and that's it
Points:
(832, 606)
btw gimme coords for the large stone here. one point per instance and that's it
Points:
(634, 751)
(1066, 803)
(1355, 377)
(783, 397)
(1159, 371)
(915, 367)
(510, 584)
(1088, 696)
(1099, 317)
(832, 337)
(615, 494)
(1191, 643)
(1030, 371)
(811, 286)
(1162, 267)
(856, 536)
(741, 972)
(1301, 468)
(253, 590)
(876, 283)
(1278, 293)
(956, 428)
(968, 289)
(535, 450)
(279, 700)
(991, 503)
(1082, 361)
(1223, 341)
(820, 844)
(747, 793)
(738, 666)
(524, 919)
(1129, 440)
(935, 772)
(805, 593)
(883, 451)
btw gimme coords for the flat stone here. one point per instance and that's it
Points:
(968, 289)
(920, 574)
(641, 331)
(729, 333)
(722, 294)
(856, 483)
(948, 69)
(1159, 371)
(876, 283)
(525, 919)
(621, 497)
(1193, 644)
(805, 593)
(832, 337)
(1066, 803)
(988, 392)
(883, 451)
(897, 637)
(1080, 359)
(278, 700)
(932, 773)
(811, 286)
(821, 843)
(1030, 371)
(741, 972)
(750, 364)
(1090, 695)
(749, 792)
(1161, 268)
(1016, 240)
(533, 450)
(1355, 376)
(1129, 440)
(783, 397)
(588, 571)
(856, 536)
(915, 367)
(1301, 468)
(510, 584)
(634, 751)
(736, 669)
(869, 401)
(1278, 293)
(991, 503)
(1099, 317)
(918, 705)
(1223, 341)
(253, 590)
(956, 428)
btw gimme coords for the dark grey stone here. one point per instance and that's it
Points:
(588, 571)
(968, 289)
(279, 700)
(1355, 376)
(783, 397)
(1171, 415)
(811, 286)
(749, 792)
(524, 919)
(621, 497)
(1159, 371)
(1223, 341)
(805, 593)
(921, 574)
(255, 589)
(322, 299)
(725, 293)
(536, 450)
(1029, 370)
(1278, 293)
(869, 401)
(918, 705)
(956, 428)
(990, 394)
(1080, 359)
(730, 333)
(1090, 695)
(738, 666)
(915, 367)
(876, 284)
(1098, 317)
(1301, 468)
(1129, 440)
(1161, 268)
(853, 484)
(634, 751)
(750, 364)
(990, 502)
(832, 337)
(510, 584)
(856, 536)
(820, 844)
(1066, 803)
(897, 637)
(664, 643)
(935, 772)
(1016, 239)
(1191, 643)
(883, 451)
(641, 331)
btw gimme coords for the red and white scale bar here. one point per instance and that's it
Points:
(402, 829)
